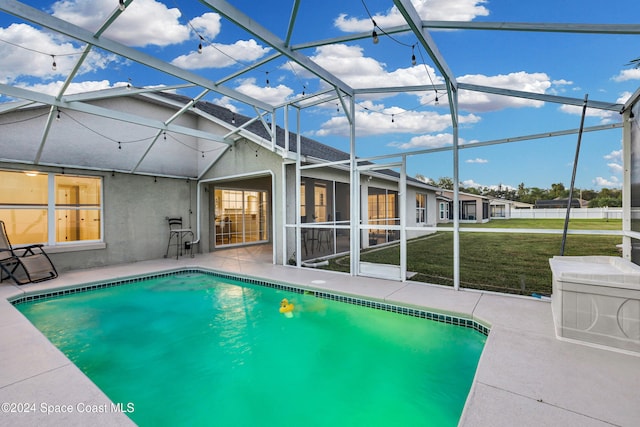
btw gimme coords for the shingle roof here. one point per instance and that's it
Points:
(310, 147)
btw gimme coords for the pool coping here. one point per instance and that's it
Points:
(431, 315)
(525, 376)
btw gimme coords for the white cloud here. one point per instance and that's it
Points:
(615, 156)
(611, 182)
(626, 75)
(53, 88)
(143, 23)
(380, 120)
(207, 25)
(349, 64)
(225, 102)
(271, 95)
(605, 116)
(469, 183)
(483, 102)
(425, 142)
(624, 97)
(27, 52)
(615, 162)
(220, 56)
(477, 160)
(445, 10)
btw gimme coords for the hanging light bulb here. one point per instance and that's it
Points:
(54, 66)
(58, 115)
(233, 119)
(392, 118)
(200, 45)
(267, 78)
(374, 35)
(413, 55)
(436, 101)
(121, 5)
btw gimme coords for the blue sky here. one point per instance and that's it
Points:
(564, 64)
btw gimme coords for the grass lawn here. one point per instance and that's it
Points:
(503, 262)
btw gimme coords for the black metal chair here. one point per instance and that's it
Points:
(178, 234)
(29, 264)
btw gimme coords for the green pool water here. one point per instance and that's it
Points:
(194, 349)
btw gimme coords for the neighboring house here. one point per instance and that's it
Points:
(559, 203)
(502, 208)
(103, 187)
(473, 208)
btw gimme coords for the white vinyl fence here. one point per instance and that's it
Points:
(576, 213)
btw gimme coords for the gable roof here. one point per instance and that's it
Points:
(310, 147)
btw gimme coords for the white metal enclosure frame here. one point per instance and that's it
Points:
(334, 89)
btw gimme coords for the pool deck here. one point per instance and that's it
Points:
(525, 377)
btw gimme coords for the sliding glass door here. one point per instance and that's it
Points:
(241, 217)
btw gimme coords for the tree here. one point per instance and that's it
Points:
(558, 191)
(445, 182)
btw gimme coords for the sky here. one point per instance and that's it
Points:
(565, 64)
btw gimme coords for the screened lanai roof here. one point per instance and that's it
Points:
(251, 49)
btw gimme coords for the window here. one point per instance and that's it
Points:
(50, 208)
(498, 211)
(444, 210)
(468, 210)
(421, 208)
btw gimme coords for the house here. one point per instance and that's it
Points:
(472, 207)
(97, 190)
(502, 208)
(559, 203)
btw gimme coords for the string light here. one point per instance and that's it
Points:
(58, 115)
(413, 55)
(121, 5)
(54, 65)
(233, 119)
(392, 118)
(200, 44)
(436, 101)
(267, 78)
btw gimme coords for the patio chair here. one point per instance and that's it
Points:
(29, 264)
(183, 237)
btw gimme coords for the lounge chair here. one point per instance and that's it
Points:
(24, 265)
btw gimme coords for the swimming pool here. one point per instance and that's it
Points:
(193, 348)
